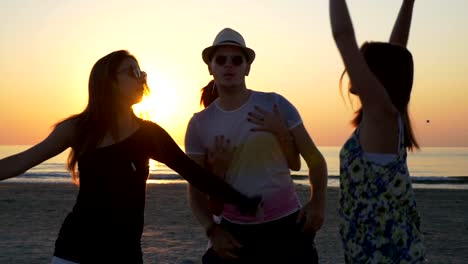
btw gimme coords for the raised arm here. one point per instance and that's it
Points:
(54, 144)
(374, 98)
(401, 29)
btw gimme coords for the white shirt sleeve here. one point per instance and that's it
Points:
(193, 143)
(289, 112)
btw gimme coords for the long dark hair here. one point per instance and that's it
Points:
(100, 115)
(394, 68)
(209, 93)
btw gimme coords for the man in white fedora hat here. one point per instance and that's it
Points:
(253, 140)
(228, 37)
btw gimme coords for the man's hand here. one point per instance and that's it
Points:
(313, 216)
(223, 243)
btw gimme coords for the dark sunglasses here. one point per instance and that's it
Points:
(235, 60)
(134, 72)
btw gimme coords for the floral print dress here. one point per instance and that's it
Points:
(379, 222)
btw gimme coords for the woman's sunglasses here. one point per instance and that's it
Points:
(134, 73)
(235, 60)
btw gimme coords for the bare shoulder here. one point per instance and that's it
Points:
(68, 124)
(66, 130)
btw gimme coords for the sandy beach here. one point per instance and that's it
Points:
(32, 213)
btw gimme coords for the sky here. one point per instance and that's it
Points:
(48, 47)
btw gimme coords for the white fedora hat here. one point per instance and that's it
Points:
(228, 37)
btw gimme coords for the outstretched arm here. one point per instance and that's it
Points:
(373, 95)
(165, 150)
(55, 143)
(401, 29)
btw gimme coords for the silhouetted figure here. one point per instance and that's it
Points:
(379, 221)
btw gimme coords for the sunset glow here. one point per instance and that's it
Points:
(157, 106)
(49, 47)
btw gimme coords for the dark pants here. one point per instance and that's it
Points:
(279, 241)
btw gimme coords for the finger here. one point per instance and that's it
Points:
(229, 251)
(215, 142)
(276, 110)
(256, 115)
(227, 146)
(230, 255)
(316, 223)
(208, 157)
(223, 253)
(258, 129)
(316, 228)
(219, 143)
(217, 146)
(235, 243)
(300, 216)
(209, 154)
(255, 121)
(260, 110)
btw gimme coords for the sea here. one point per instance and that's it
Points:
(431, 167)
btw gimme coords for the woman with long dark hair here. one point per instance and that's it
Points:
(109, 159)
(379, 220)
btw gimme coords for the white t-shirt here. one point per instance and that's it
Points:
(259, 166)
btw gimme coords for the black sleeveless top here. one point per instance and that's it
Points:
(106, 222)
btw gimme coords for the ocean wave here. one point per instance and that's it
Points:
(174, 176)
